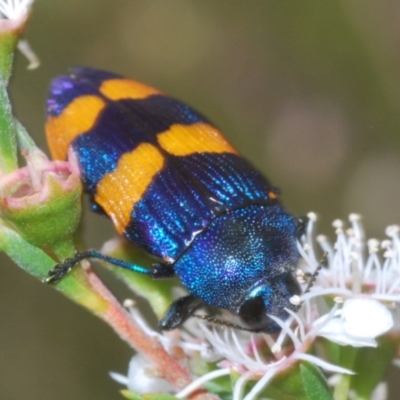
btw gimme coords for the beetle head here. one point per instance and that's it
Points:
(270, 298)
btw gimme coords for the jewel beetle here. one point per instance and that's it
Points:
(174, 186)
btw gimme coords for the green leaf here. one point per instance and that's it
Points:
(222, 386)
(37, 263)
(302, 381)
(8, 141)
(314, 382)
(371, 365)
(8, 43)
(131, 395)
(287, 385)
(331, 350)
(158, 396)
(223, 391)
(147, 396)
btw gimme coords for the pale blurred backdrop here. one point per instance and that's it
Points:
(309, 91)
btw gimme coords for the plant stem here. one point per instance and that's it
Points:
(120, 320)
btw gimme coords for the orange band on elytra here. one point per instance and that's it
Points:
(119, 191)
(119, 89)
(78, 117)
(182, 140)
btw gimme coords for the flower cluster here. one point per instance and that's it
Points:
(351, 302)
(363, 275)
(14, 9)
(13, 17)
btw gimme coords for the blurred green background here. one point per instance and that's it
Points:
(309, 91)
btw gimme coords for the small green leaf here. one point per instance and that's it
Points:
(331, 350)
(223, 391)
(371, 365)
(147, 396)
(158, 396)
(25, 142)
(314, 382)
(131, 395)
(8, 43)
(8, 141)
(287, 385)
(222, 386)
(302, 381)
(37, 263)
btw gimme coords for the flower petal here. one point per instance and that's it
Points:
(366, 318)
(141, 379)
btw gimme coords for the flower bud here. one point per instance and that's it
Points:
(42, 201)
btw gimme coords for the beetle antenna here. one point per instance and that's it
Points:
(323, 263)
(217, 321)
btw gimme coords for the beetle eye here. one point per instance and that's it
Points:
(253, 313)
(292, 285)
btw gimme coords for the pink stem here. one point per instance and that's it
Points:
(120, 320)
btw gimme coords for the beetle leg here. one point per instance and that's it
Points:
(160, 271)
(62, 269)
(179, 311)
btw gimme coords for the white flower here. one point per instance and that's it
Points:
(358, 283)
(358, 322)
(13, 17)
(141, 377)
(237, 351)
(356, 275)
(241, 353)
(359, 280)
(15, 9)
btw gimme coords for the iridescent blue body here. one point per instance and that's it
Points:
(175, 187)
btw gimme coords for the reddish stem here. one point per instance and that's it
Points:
(120, 320)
